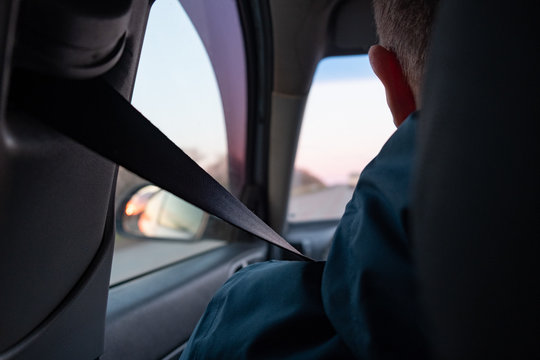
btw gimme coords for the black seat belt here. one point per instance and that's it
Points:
(97, 116)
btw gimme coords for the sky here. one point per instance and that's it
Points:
(346, 120)
(176, 87)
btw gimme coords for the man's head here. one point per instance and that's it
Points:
(404, 28)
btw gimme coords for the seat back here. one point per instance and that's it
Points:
(476, 217)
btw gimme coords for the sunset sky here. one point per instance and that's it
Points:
(345, 123)
(346, 120)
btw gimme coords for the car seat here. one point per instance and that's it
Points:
(476, 218)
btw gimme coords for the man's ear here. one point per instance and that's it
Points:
(399, 95)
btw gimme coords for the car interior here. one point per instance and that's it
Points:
(85, 177)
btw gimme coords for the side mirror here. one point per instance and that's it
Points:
(152, 212)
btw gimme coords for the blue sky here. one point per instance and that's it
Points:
(175, 85)
(345, 123)
(344, 68)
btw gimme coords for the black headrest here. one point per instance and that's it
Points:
(476, 215)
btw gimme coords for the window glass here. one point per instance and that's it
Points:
(346, 122)
(176, 89)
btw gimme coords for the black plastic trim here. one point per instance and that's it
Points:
(79, 303)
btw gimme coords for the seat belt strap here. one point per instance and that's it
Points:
(98, 117)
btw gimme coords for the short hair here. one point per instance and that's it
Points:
(404, 27)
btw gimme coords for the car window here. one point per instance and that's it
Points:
(176, 89)
(345, 124)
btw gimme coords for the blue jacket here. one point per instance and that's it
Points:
(360, 304)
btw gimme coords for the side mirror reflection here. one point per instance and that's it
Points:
(155, 213)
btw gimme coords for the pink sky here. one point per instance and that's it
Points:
(345, 124)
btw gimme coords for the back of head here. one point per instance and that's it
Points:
(404, 27)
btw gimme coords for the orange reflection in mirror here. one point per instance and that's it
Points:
(133, 209)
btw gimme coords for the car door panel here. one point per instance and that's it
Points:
(151, 316)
